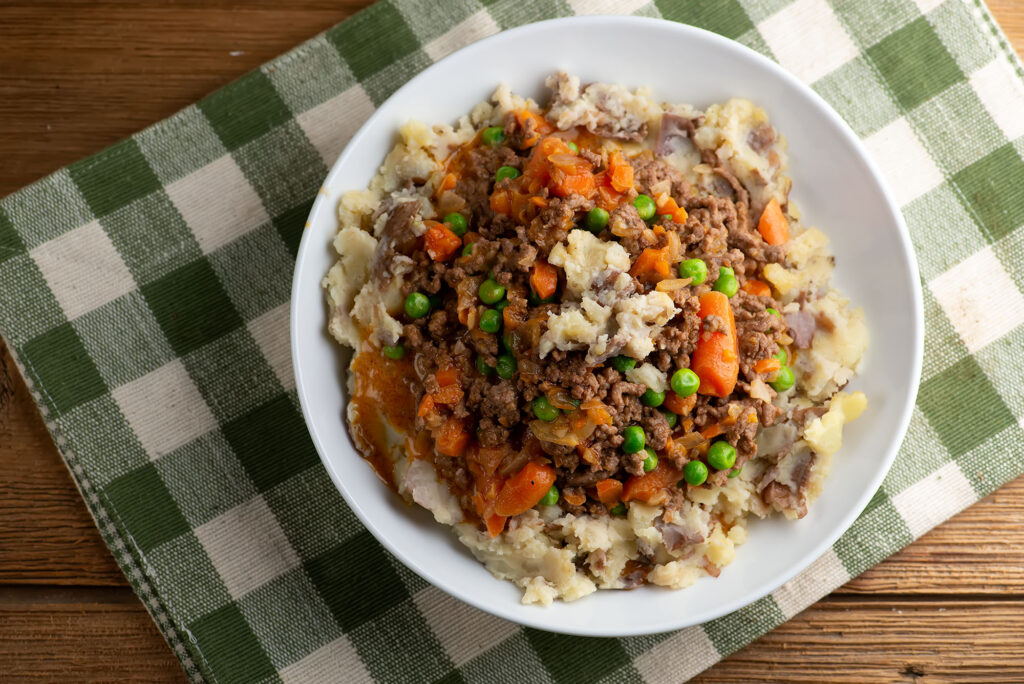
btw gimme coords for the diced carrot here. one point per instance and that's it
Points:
(563, 184)
(543, 279)
(426, 406)
(757, 287)
(449, 394)
(500, 202)
(448, 182)
(487, 458)
(539, 201)
(679, 405)
(441, 242)
(447, 376)
(651, 266)
(650, 487)
(767, 365)
(452, 438)
(537, 169)
(666, 204)
(716, 359)
(620, 172)
(540, 126)
(495, 524)
(525, 489)
(607, 197)
(712, 431)
(773, 226)
(576, 499)
(609, 491)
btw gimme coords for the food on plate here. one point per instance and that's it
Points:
(594, 336)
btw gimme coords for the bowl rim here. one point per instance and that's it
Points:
(542, 619)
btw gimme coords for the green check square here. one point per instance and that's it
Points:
(10, 242)
(859, 96)
(283, 167)
(189, 584)
(1000, 361)
(943, 347)
(310, 75)
(573, 658)
(725, 17)
(373, 39)
(422, 654)
(32, 310)
(356, 580)
(60, 366)
(124, 339)
(205, 478)
(256, 270)
(150, 252)
(229, 362)
(971, 48)
(755, 41)
(941, 211)
(963, 407)
(231, 649)
(191, 306)
(102, 439)
(993, 188)
(47, 209)
(382, 84)
(920, 455)
(511, 13)
(180, 144)
(312, 513)
(492, 666)
(986, 473)
(140, 501)
(956, 127)
(271, 442)
(914, 63)
(289, 618)
(868, 22)
(244, 110)
(291, 224)
(736, 630)
(875, 535)
(115, 177)
(759, 10)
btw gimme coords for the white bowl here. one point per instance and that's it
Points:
(837, 188)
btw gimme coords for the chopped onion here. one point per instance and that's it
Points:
(559, 398)
(672, 284)
(662, 187)
(759, 390)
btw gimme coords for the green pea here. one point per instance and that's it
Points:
(467, 249)
(491, 291)
(501, 306)
(623, 363)
(618, 509)
(726, 282)
(482, 367)
(572, 146)
(645, 207)
(550, 497)
(507, 366)
(506, 172)
(543, 409)
(735, 473)
(493, 135)
(695, 269)
(782, 356)
(651, 462)
(684, 382)
(784, 380)
(417, 305)
(670, 418)
(490, 321)
(506, 340)
(394, 352)
(773, 312)
(652, 398)
(457, 223)
(596, 220)
(695, 473)
(721, 455)
(666, 217)
(633, 439)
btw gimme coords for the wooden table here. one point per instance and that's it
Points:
(76, 76)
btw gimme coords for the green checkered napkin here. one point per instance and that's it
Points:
(145, 292)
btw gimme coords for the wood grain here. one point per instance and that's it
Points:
(76, 76)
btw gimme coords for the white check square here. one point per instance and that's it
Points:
(808, 40)
(904, 161)
(331, 124)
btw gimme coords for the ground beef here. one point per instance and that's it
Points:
(554, 222)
